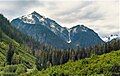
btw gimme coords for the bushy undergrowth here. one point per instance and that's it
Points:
(13, 70)
(103, 65)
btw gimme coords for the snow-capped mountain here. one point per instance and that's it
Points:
(47, 31)
(111, 37)
(83, 36)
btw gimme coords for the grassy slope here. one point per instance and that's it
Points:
(26, 60)
(103, 65)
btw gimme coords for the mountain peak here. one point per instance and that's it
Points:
(33, 18)
(77, 26)
(34, 12)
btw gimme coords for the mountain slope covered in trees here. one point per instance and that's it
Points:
(15, 57)
(102, 65)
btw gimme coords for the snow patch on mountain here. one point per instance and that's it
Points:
(28, 19)
(109, 38)
(52, 26)
(84, 30)
(69, 40)
(74, 30)
(61, 30)
(42, 19)
(105, 39)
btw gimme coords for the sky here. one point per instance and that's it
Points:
(100, 15)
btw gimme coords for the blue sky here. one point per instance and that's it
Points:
(99, 15)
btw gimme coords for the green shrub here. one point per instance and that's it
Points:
(10, 68)
(8, 74)
(18, 69)
(21, 69)
(1, 68)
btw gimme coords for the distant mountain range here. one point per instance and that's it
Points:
(111, 37)
(47, 31)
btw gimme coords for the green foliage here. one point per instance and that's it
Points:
(13, 69)
(8, 74)
(21, 69)
(103, 65)
(10, 68)
(1, 68)
(21, 60)
(19, 51)
(19, 56)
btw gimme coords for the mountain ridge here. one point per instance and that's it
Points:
(64, 36)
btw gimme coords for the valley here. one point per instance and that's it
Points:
(33, 45)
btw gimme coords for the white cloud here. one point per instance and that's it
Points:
(100, 15)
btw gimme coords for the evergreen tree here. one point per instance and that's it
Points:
(9, 54)
(54, 58)
(62, 59)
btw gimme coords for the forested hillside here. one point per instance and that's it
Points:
(102, 65)
(15, 58)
